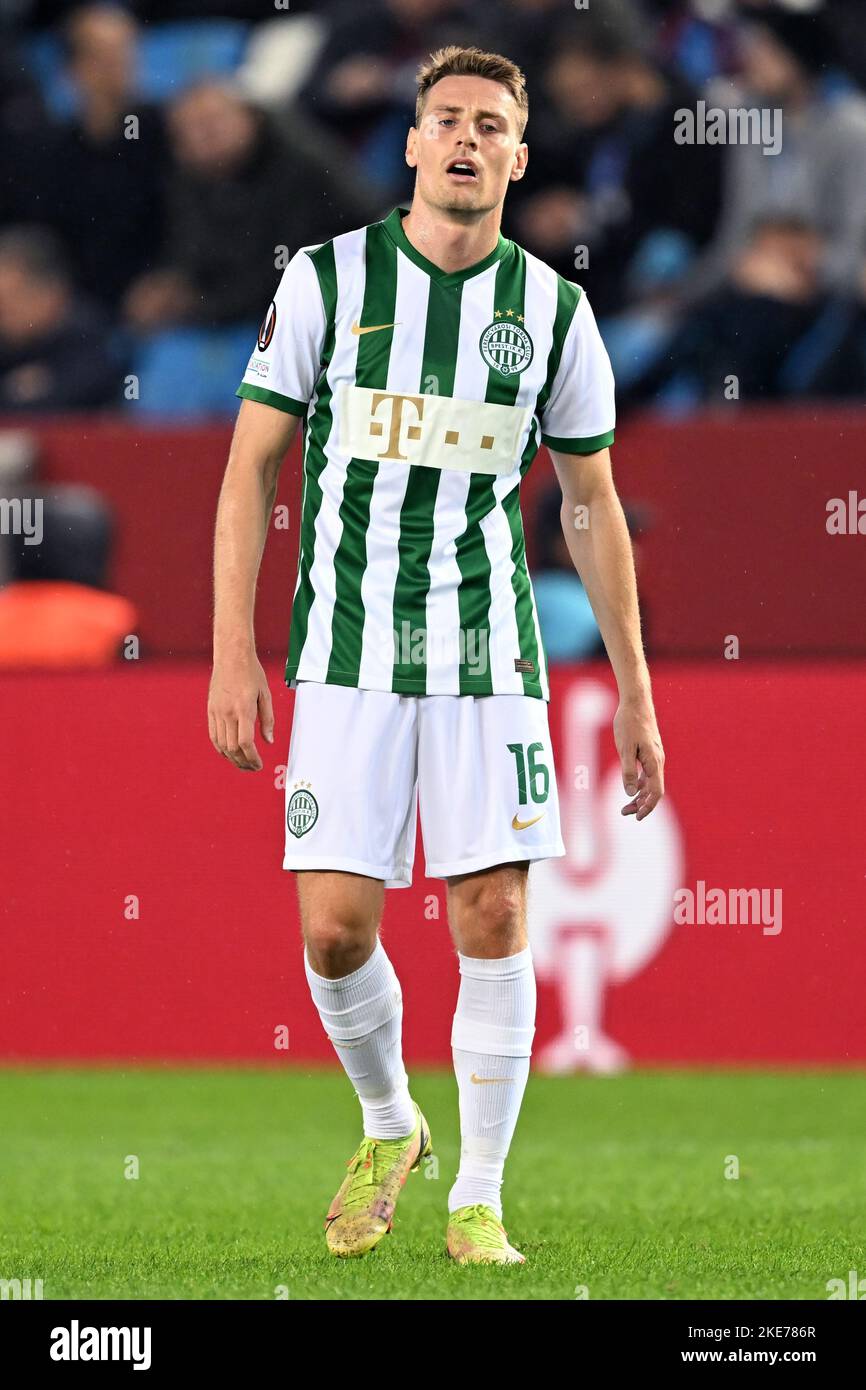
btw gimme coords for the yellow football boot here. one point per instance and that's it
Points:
(476, 1236)
(363, 1210)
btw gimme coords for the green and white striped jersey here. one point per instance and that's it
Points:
(424, 396)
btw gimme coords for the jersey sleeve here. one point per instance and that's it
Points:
(580, 414)
(286, 361)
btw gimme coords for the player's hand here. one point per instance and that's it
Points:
(643, 759)
(239, 695)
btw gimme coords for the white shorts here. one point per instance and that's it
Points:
(361, 760)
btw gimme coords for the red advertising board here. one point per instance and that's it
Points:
(145, 914)
(737, 503)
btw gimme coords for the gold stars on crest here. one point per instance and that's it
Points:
(509, 314)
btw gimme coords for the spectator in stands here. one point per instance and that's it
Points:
(24, 126)
(238, 190)
(604, 170)
(164, 11)
(841, 23)
(37, 14)
(363, 85)
(522, 29)
(697, 40)
(21, 103)
(820, 173)
(49, 12)
(54, 351)
(57, 612)
(770, 331)
(100, 176)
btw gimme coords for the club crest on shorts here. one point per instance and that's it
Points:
(302, 811)
(506, 347)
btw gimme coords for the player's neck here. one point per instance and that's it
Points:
(450, 244)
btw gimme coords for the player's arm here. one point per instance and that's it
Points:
(277, 387)
(239, 689)
(599, 544)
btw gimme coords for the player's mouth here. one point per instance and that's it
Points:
(462, 171)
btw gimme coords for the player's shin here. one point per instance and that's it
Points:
(491, 1042)
(362, 1014)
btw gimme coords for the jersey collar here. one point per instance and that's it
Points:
(393, 225)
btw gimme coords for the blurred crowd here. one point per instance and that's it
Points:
(159, 157)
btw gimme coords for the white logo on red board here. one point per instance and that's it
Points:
(599, 915)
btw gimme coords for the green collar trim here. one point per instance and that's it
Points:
(393, 225)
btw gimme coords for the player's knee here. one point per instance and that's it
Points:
(502, 927)
(336, 947)
(491, 922)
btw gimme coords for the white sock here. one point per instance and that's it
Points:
(491, 1042)
(362, 1014)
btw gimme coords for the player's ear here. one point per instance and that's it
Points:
(521, 159)
(412, 148)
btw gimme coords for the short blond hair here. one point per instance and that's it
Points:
(473, 62)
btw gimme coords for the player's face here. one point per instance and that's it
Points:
(467, 148)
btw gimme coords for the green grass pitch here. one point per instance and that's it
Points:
(616, 1185)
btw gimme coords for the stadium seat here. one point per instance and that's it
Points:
(699, 51)
(279, 58)
(191, 373)
(171, 56)
(634, 341)
(44, 57)
(174, 55)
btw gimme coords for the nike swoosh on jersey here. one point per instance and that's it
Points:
(525, 824)
(371, 328)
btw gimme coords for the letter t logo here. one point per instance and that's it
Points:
(396, 423)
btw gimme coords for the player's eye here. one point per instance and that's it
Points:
(447, 120)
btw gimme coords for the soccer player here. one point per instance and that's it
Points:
(427, 357)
